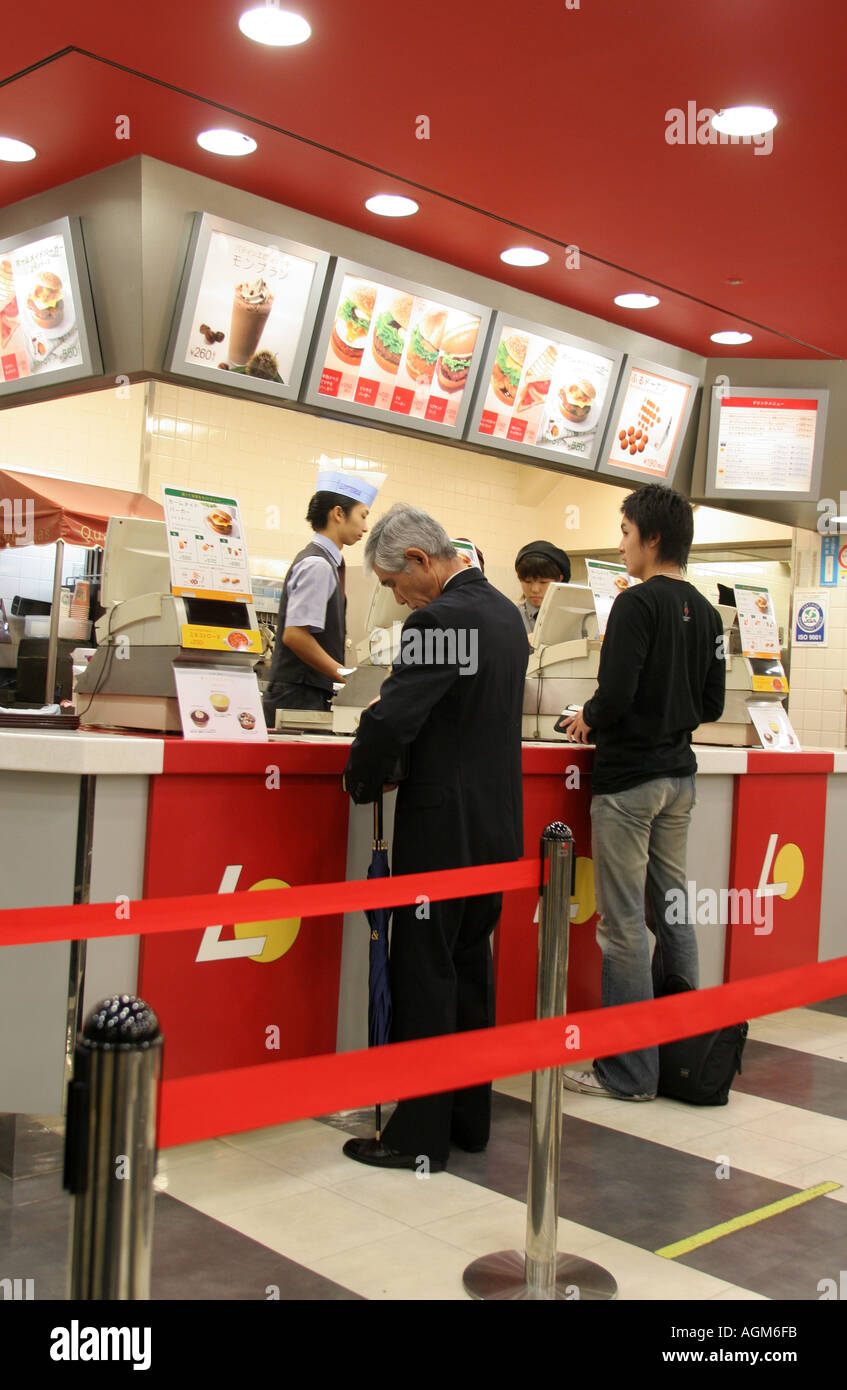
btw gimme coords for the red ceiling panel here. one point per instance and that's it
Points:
(543, 117)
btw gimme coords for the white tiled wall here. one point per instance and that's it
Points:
(817, 702)
(95, 438)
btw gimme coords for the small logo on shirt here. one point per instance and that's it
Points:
(686, 616)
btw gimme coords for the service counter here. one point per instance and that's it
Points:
(171, 818)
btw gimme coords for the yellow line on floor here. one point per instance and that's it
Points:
(750, 1218)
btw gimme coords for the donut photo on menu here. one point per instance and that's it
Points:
(247, 720)
(200, 718)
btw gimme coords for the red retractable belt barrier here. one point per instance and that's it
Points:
(202, 1107)
(26, 925)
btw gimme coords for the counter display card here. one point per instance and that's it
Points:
(47, 328)
(389, 349)
(774, 727)
(607, 580)
(466, 551)
(647, 426)
(766, 443)
(543, 393)
(219, 704)
(759, 632)
(247, 307)
(206, 545)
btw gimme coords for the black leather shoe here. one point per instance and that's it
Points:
(378, 1155)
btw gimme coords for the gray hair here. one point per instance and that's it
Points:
(402, 528)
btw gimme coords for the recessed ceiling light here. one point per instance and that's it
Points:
(732, 339)
(230, 142)
(391, 205)
(524, 255)
(280, 28)
(745, 120)
(636, 301)
(15, 151)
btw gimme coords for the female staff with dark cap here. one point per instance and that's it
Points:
(538, 565)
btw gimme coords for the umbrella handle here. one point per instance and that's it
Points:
(378, 817)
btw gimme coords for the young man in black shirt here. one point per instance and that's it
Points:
(661, 674)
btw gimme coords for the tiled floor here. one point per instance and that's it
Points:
(282, 1213)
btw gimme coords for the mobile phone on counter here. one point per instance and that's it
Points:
(567, 714)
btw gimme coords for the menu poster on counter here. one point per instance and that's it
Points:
(648, 424)
(246, 308)
(47, 329)
(774, 727)
(544, 393)
(219, 704)
(391, 349)
(607, 580)
(760, 638)
(766, 443)
(206, 546)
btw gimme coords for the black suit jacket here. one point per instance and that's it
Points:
(461, 802)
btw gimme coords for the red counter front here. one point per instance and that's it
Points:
(225, 818)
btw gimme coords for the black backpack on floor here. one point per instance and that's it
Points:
(700, 1070)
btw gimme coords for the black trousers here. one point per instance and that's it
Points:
(442, 982)
(281, 695)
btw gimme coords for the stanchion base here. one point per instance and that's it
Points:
(503, 1276)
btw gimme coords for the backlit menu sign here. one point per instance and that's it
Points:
(543, 393)
(648, 424)
(766, 443)
(246, 308)
(47, 327)
(389, 349)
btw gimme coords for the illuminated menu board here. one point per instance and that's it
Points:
(766, 443)
(543, 393)
(647, 426)
(389, 349)
(47, 328)
(246, 308)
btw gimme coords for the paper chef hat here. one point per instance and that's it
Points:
(357, 483)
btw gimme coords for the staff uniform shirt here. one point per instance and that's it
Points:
(311, 587)
(528, 613)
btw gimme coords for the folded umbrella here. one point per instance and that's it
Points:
(379, 992)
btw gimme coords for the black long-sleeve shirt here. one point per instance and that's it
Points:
(662, 672)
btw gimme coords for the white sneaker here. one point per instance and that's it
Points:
(588, 1083)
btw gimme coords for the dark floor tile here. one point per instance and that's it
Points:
(196, 1257)
(831, 1006)
(794, 1078)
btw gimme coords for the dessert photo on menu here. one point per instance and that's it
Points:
(250, 307)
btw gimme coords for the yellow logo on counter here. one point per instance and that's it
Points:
(279, 934)
(221, 639)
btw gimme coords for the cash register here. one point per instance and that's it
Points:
(564, 660)
(129, 682)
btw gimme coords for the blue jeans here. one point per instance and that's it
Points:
(639, 842)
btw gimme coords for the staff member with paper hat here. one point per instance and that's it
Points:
(311, 628)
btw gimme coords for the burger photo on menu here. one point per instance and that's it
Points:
(457, 347)
(389, 337)
(45, 304)
(509, 364)
(576, 400)
(424, 345)
(352, 324)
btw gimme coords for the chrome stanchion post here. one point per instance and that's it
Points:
(110, 1150)
(542, 1273)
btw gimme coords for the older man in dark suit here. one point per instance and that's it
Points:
(453, 700)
